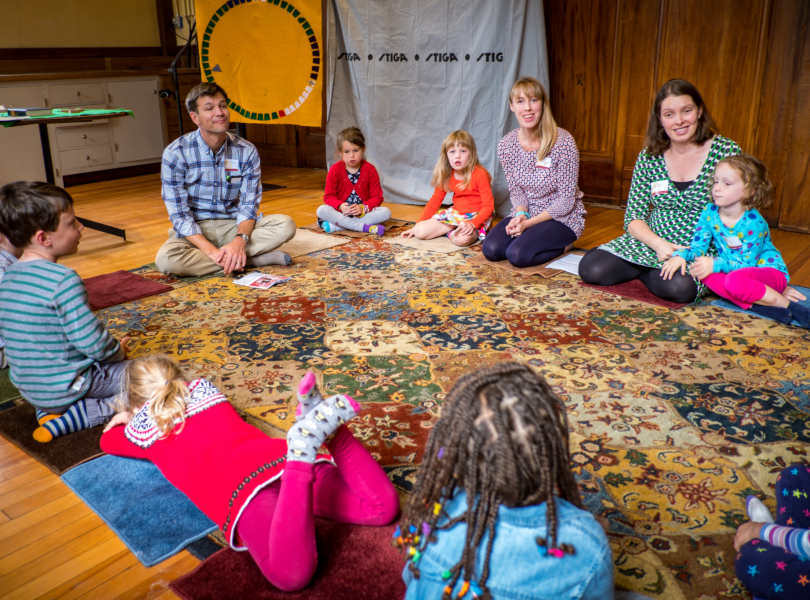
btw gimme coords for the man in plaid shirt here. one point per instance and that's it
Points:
(212, 190)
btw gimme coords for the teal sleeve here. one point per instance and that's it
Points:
(86, 333)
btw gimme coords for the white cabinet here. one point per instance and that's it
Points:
(20, 147)
(83, 147)
(134, 141)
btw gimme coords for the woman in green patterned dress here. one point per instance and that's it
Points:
(669, 190)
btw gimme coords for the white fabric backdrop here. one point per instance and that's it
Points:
(406, 108)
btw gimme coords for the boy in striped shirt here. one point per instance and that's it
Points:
(62, 358)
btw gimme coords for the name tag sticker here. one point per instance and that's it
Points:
(231, 166)
(77, 385)
(659, 187)
(732, 241)
(545, 163)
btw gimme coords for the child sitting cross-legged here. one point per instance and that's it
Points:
(264, 493)
(62, 358)
(495, 512)
(458, 172)
(748, 270)
(353, 195)
(773, 556)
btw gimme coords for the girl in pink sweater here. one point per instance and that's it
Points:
(353, 193)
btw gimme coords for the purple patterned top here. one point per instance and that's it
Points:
(553, 189)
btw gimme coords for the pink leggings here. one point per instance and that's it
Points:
(745, 286)
(278, 526)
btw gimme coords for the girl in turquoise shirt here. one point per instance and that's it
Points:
(748, 270)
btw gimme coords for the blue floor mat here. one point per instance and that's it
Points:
(723, 303)
(151, 516)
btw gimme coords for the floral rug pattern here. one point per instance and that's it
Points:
(676, 416)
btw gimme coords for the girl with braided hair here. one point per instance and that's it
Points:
(496, 512)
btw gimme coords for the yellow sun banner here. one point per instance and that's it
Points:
(267, 55)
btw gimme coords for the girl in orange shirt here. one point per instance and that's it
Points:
(458, 172)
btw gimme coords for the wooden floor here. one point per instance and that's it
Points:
(51, 544)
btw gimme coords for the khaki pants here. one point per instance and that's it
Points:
(180, 257)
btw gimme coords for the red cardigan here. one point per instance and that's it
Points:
(338, 186)
(217, 460)
(475, 198)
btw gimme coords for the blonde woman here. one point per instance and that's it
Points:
(541, 164)
(264, 493)
(458, 172)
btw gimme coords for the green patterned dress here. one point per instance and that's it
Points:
(672, 215)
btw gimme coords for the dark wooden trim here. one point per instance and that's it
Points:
(64, 53)
(108, 174)
(168, 38)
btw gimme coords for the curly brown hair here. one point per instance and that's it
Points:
(754, 175)
(657, 139)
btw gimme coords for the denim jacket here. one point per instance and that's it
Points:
(518, 569)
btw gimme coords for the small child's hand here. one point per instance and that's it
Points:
(702, 267)
(671, 267)
(747, 532)
(408, 233)
(793, 294)
(119, 419)
(124, 342)
(466, 228)
(345, 208)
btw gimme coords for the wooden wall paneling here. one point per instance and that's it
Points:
(795, 208)
(187, 81)
(279, 147)
(777, 101)
(714, 46)
(50, 65)
(312, 147)
(636, 88)
(582, 53)
(168, 38)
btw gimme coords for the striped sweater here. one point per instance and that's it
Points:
(52, 337)
(791, 539)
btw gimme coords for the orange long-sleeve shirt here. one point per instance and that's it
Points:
(475, 198)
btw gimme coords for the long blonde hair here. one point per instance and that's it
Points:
(443, 171)
(547, 127)
(156, 380)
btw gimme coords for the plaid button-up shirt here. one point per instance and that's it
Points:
(200, 185)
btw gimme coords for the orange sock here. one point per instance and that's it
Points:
(42, 435)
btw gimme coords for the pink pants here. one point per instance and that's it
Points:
(745, 286)
(278, 526)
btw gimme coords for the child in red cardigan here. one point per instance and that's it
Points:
(458, 172)
(353, 193)
(263, 492)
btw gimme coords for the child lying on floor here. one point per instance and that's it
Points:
(62, 358)
(264, 493)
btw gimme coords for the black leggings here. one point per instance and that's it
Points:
(600, 267)
(538, 244)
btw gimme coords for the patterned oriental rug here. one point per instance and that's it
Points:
(677, 415)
